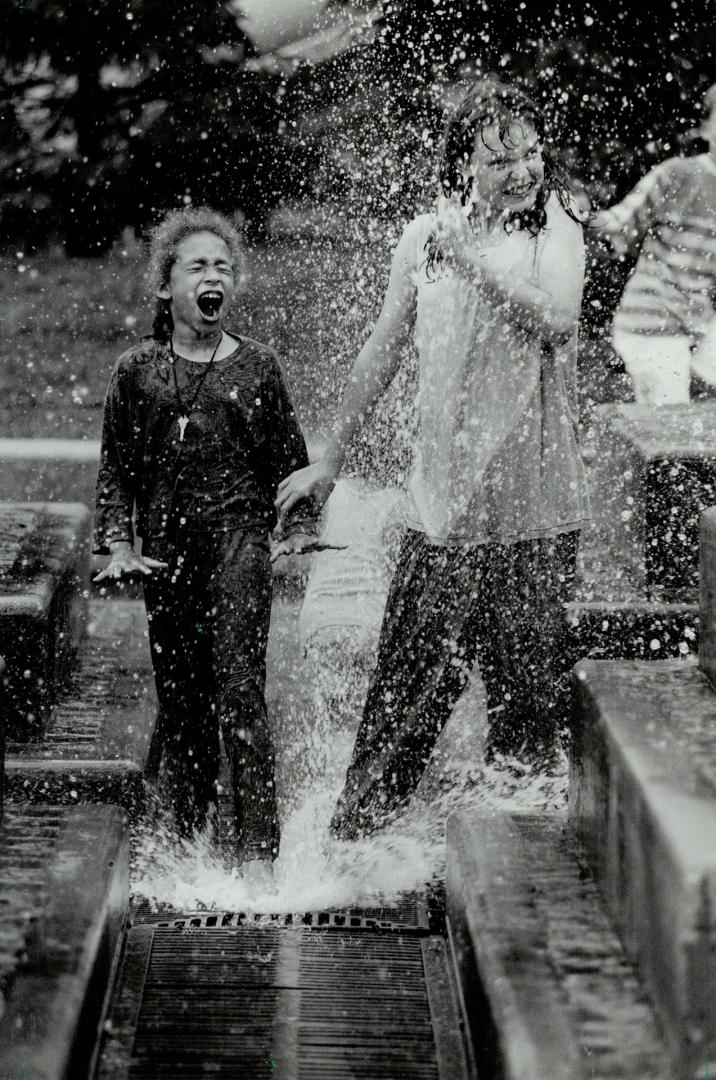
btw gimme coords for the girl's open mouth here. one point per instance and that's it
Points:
(209, 303)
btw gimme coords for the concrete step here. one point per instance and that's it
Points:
(64, 897)
(48, 469)
(632, 628)
(98, 738)
(44, 589)
(610, 618)
(654, 473)
(3, 724)
(547, 987)
(707, 595)
(643, 803)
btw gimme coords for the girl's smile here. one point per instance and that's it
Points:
(506, 168)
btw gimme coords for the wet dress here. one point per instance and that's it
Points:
(498, 496)
(205, 506)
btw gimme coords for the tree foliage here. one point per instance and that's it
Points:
(110, 113)
(113, 112)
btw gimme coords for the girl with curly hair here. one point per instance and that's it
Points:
(198, 430)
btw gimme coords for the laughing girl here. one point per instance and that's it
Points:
(490, 286)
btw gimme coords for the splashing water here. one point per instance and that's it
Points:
(311, 873)
(313, 870)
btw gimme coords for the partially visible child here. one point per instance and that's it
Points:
(342, 612)
(664, 325)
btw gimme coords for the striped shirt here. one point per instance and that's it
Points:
(671, 213)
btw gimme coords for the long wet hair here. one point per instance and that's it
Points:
(488, 103)
(164, 240)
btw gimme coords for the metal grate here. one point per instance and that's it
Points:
(407, 915)
(16, 525)
(91, 694)
(321, 920)
(28, 838)
(249, 1000)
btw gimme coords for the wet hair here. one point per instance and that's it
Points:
(164, 241)
(491, 103)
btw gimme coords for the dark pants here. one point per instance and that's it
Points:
(447, 606)
(208, 628)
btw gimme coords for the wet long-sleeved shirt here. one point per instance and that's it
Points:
(241, 440)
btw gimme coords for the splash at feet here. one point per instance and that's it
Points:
(314, 871)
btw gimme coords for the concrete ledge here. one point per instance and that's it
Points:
(50, 450)
(69, 781)
(49, 469)
(547, 987)
(707, 594)
(99, 738)
(633, 629)
(44, 590)
(643, 801)
(654, 474)
(56, 1002)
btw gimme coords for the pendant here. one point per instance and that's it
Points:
(183, 421)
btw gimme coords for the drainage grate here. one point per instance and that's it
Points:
(28, 839)
(247, 1000)
(408, 914)
(93, 693)
(320, 920)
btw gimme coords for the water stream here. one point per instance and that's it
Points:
(316, 872)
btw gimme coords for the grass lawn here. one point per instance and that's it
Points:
(67, 320)
(313, 300)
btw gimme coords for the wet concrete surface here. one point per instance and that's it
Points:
(550, 991)
(44, 571)
(643, 802)
(64, 893)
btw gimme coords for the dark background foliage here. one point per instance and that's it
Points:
(112, 112)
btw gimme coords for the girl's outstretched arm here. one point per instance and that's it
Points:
(373, 370)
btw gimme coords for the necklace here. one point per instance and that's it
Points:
(185, 412)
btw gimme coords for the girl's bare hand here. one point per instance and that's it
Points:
(316, 482)
(125, 561)
(296, 544)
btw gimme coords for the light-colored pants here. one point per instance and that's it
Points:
(660, 365)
